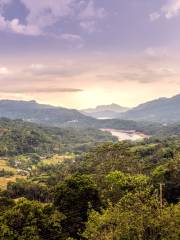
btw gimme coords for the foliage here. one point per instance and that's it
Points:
(119, 184)
(6, 173)
(110, 191)
(31, 220)
(19, 138)
(29, 190)
(169, 175)
(134, 217)
(75, 197)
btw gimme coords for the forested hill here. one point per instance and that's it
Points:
(39, 113)
(165, 110)
(19, 137)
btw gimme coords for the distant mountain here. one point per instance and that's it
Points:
(47, 115)
(105, 111)
(43, 114)
(164, 110)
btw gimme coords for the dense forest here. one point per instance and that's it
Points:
(84, 184)
(18, 137)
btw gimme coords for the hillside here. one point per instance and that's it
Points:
(19, 137)
(32, 111)
(164, 110)
(47, 115)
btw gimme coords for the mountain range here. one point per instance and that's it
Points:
(163, 110)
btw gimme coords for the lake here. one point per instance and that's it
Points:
(125, 134)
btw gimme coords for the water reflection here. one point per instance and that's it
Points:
(126, 135)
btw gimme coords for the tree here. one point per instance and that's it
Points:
(31, 220)
(6, 203)
(75, 197)
(119, 184)
(169, 175)
(135, 217)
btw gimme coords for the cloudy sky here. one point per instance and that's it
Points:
(82, 53)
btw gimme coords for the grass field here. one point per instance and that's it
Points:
(3, 165)
(4, 180)
(56, 159)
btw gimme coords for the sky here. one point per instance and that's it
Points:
(84, 53)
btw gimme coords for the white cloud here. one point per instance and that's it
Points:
(47, 12)
(88, 26)
(90, 15)
(156, 52)
(16, 27)
(169, 10)
(61, 71)
(4, 71)
(37, 67)
(142, 74)
(91, 12)
(73, 39)
(154, 16)
(3, 23)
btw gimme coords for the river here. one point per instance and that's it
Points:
(125, 134)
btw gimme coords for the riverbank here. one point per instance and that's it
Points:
(126, 134)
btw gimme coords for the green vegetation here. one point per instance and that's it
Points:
(18, 137)
(30, 220)
(5, 173)
(109, 191)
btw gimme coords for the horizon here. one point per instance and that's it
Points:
(90, 107)
(81, 54)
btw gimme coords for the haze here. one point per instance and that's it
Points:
(83, 53)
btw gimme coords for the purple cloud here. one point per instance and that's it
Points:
(44, 14)
(39, 90)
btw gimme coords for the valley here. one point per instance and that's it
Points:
(73, 176)
(89, 120)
